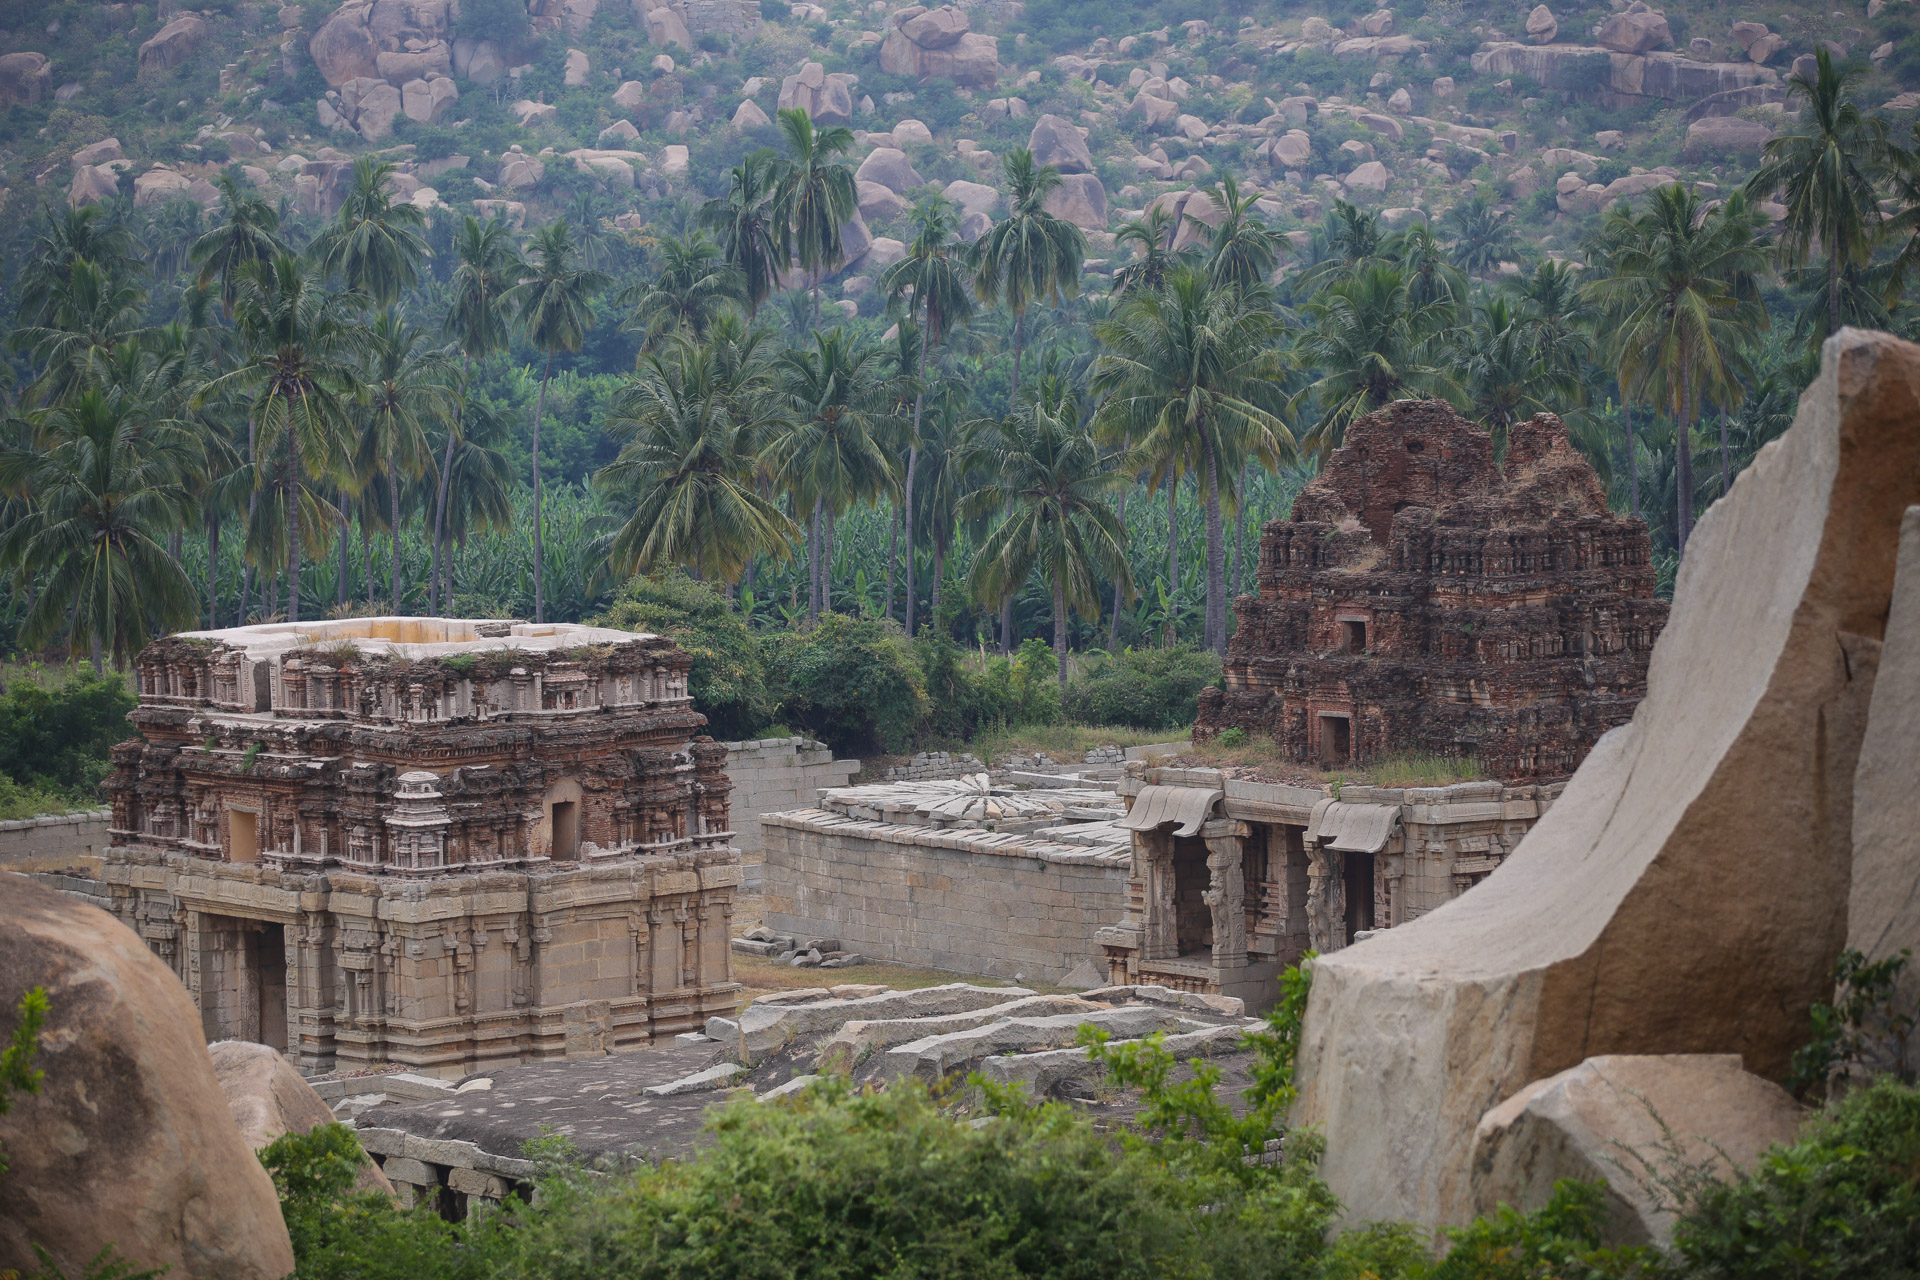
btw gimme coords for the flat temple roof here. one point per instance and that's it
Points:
(414, 637)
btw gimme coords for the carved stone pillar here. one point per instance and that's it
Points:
(1326, 899)
(1160, 934)
(1226, 894)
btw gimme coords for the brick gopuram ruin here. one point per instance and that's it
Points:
(1421, 599)
(425, 841)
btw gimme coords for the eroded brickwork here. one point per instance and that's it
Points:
(427, 841)
(1422, 598)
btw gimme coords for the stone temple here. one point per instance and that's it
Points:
(425, 841)
(1425, 599)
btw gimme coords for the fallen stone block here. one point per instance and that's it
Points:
(1619, 1118)
(1043, 1072)
(699, 1082)
(934, 1056)
(796, 1085)
(854, 1040)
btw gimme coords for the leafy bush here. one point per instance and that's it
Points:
(1843, 1201)
(850, 682)
(1142, 688)
(728, 680)
(58, 739)
(1562, 1238)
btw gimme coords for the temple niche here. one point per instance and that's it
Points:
(426, 841)
(1424, 599)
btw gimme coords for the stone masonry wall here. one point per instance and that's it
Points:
(942, 899)
(772, 775)
(58, 835)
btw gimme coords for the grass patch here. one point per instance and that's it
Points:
(18, 802)
(1421, 770)
(1065, 741)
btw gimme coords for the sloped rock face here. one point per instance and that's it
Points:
(268, 1098)
(1059, 142)
(827, 99)
(1080, 199)
(1689, 890)
(1597, 1121)
(1638, 30)
(130, 1139)
(891, 169)
(939, 42)
(174, 43)
(24, 77)
(349, 45)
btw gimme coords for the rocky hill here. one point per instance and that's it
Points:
(518, 106)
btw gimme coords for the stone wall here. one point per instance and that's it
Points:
(968, 900)
(57, 835)
(772, 775)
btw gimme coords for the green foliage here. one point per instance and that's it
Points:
(17, 1072)
(728, 681)
(850, 682)
(1844, 1201)
(965, 697)
(1864, 1028)
(1560, 1240)
(1231, 738)
(56, 740)
(1144, 688)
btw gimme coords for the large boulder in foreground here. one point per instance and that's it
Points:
(130, 1141)
(1602, 1122)
(268, 1099)
(1689, 890)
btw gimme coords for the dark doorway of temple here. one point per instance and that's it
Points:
(1193, 918)
(1336, 740)
(1359, 887)
(566, 830)
(270, 974)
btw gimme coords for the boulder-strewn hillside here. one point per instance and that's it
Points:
(517, 106)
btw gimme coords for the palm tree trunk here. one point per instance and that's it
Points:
(1833, 291)
(826, 561)
(939, 569)
(913, 469)
(1633, 458)
(539, 548)
(253, 500)
(1113, 623)
(1173, 533)
(893, 557)
(1683, 461)
(341, 590)
(813, 563)
(1060, 626)
(1727, 471)
(436, 605)
(1019, 344)
(1216, 632)
(213, 559)
(293, 530)
(366, 553)
(1006, 625)
(393, 523)
(1240, 532)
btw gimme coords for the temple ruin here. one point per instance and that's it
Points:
(1424, 599)
(425, 841)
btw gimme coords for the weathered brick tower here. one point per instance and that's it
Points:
(427, 841)
(1423, 599)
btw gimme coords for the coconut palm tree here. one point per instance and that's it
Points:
(81, 326)
(248, 231)
(1683, 305)
(91, 232)
(694, 421)
(931, 282)
(1347, 239)
(1030, 256)
(297, 379)
(1041, 466)
(1242, 251)
(1196, 363)
(555, 301)
(102, 491)
(479, 320)
(694, 286)
(1478, 236)
(374, 245)
(1824, 170)
(1373, 345)
(1429, 270)
(744, 220)
(828, 458)
(813, 196)
(1152, 239)
(410, 388)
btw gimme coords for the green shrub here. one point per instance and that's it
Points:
(850, 682)
(728, 681)
(1843, 1201)
(57, 739)
(1142, 688)
(960, 701)
(1234, 737)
